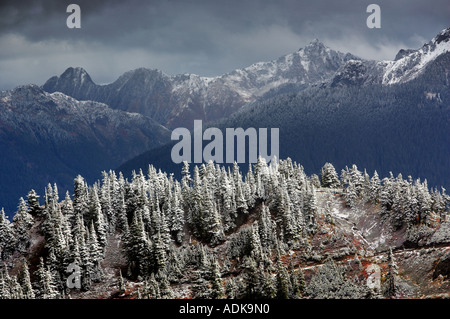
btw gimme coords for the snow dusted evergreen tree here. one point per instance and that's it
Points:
(251, 280)
(424, 202)
(387, 192)
(266, 228)
(357, 179)
(178, 219)
(217, 290)
(33, 203)
(67, 208)
(138, 247)
(329, 282)
(5, 289)
(46, 287)
(212, 227)
(80, 198)
(25, 282)
(290, 229)
(391, 285)
(283, 281)
(106, 202)
(328, 176)
(164, 285)
(228, 206)
(215, 233)
(440, 202)
(375, 186)
(310, 209)
(256, 251)
(22, 223)
(97, 218)
(7, 237)
(95, 254)
(159, 253)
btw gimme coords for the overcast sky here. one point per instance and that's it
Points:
(208, 37)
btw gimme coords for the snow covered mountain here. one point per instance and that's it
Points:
(354, 117)
(407, 65)
(52, 137)
(177, 100)
(174, 101)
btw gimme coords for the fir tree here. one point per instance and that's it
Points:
(22, 223)
(46, 284)
(328, 176)
(138, 247)
(5, 291)
(282, 279)
(391, 285)
(164, 285)
(217, 290)
(7, 237)
(301, 281)
(80, 197)
(25, 282)
(97, 218)
(231, 289)
(375, 186)
(33, 203)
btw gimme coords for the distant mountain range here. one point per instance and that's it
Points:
(50, 138)
(177, 100)
(330, 106)
(382, 115)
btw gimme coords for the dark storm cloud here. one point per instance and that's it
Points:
(203, 37)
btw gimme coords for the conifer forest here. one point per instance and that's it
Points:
(273, 233)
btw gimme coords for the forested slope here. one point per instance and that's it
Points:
(274, 232)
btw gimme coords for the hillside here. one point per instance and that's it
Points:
(52, 137)
(273, 233)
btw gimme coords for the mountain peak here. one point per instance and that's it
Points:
(402, 53)
(73, 82)
(27, 90)
(443, 36)
(315, 48)
(77, 73)
(408, 64)
(143, 72)
(316, 43)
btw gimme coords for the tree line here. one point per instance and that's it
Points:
(218, 231)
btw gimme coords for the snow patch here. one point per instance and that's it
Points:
(410, 66)
(339, 214)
